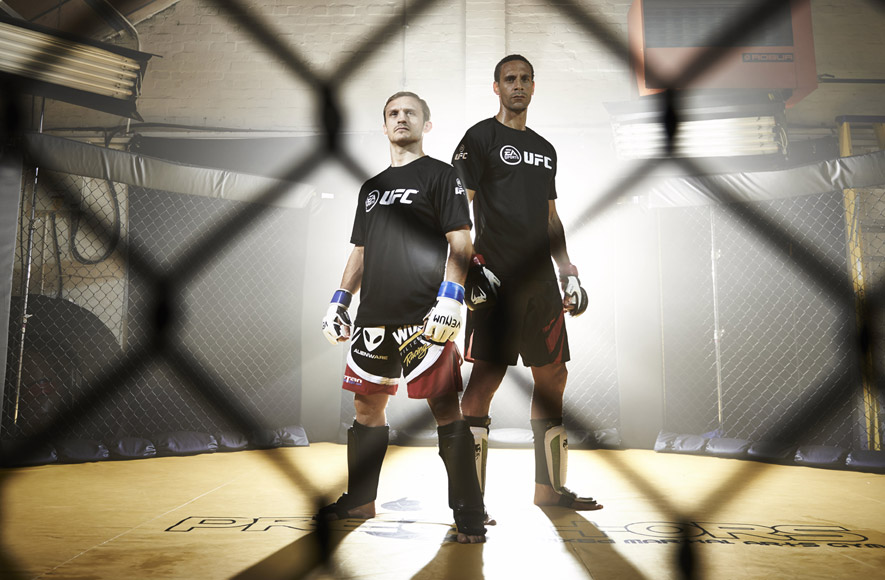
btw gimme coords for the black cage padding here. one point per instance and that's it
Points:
(80, 451)
(185, 443)
(132, 448)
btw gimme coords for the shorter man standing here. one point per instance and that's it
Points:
(408, 218)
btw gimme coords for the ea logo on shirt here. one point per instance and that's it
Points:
(459, 189)
(371, 200)
(512, 156)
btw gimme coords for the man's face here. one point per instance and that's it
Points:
(404, 122)
(515, 86)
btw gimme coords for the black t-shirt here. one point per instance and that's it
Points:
(514, 175)
(402, 218)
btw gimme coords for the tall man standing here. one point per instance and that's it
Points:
(509, 172)
(408, 218)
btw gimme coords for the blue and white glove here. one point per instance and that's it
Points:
(443, 322)
(575, 298)
(336, 322)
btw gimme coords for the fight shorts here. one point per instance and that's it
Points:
(527, 320)
(380, 355)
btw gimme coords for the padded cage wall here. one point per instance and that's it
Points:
(240, 313)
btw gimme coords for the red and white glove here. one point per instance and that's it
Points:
(336, 322)
(443, 322)
(575, 297)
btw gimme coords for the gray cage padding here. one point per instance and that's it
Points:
(832, 175)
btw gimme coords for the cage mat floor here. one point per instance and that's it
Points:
(247, 515)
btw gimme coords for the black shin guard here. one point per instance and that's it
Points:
(540, 427)
(366, 447)
(465, 498)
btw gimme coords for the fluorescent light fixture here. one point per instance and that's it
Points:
(97, 75)
(710, 124)
(729, 137)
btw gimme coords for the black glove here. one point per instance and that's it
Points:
(481, 287)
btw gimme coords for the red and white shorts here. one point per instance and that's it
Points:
(380, 355)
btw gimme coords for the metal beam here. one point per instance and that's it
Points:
(9, 11)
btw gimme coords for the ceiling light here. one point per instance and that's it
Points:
(36, 60)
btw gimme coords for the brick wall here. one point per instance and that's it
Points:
(211, 71)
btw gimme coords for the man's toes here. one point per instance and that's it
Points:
(586, 506)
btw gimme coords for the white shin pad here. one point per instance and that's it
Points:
(481, 450)
(556, 452)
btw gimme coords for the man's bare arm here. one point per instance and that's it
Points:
(556, 233)
(460, 252)
(353, 271)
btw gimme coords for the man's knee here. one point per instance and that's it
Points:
(445, 409)
(486, 377)
(370, 409)
(552, 377)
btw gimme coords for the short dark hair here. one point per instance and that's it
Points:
(511, 58)
(425, 109)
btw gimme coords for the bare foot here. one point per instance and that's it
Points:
(545, 495)
(335, 511)
(363, 512)
(465, 539)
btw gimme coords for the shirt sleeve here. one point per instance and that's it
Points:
(451, 201)
(358, 234)
(551, 192)
(468, 159)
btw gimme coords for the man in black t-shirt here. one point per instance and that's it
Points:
(411, 237)
(509, 172)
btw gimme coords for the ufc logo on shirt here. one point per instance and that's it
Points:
(390, 197)
(512, 156)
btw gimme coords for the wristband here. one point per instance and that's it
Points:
(342, 297)
(451, 290)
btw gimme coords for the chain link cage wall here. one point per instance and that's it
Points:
(754, 329)
(744, 329)
(87, 308)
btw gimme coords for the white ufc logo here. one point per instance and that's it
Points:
(392, 195)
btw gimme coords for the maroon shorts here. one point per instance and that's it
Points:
(380, 355)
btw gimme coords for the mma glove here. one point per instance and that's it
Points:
(443, 322)
(575, 295)
(481, 287)
(336, 322)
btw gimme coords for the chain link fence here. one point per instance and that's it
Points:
(87, 307)
(746, 336)
(148, 308)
